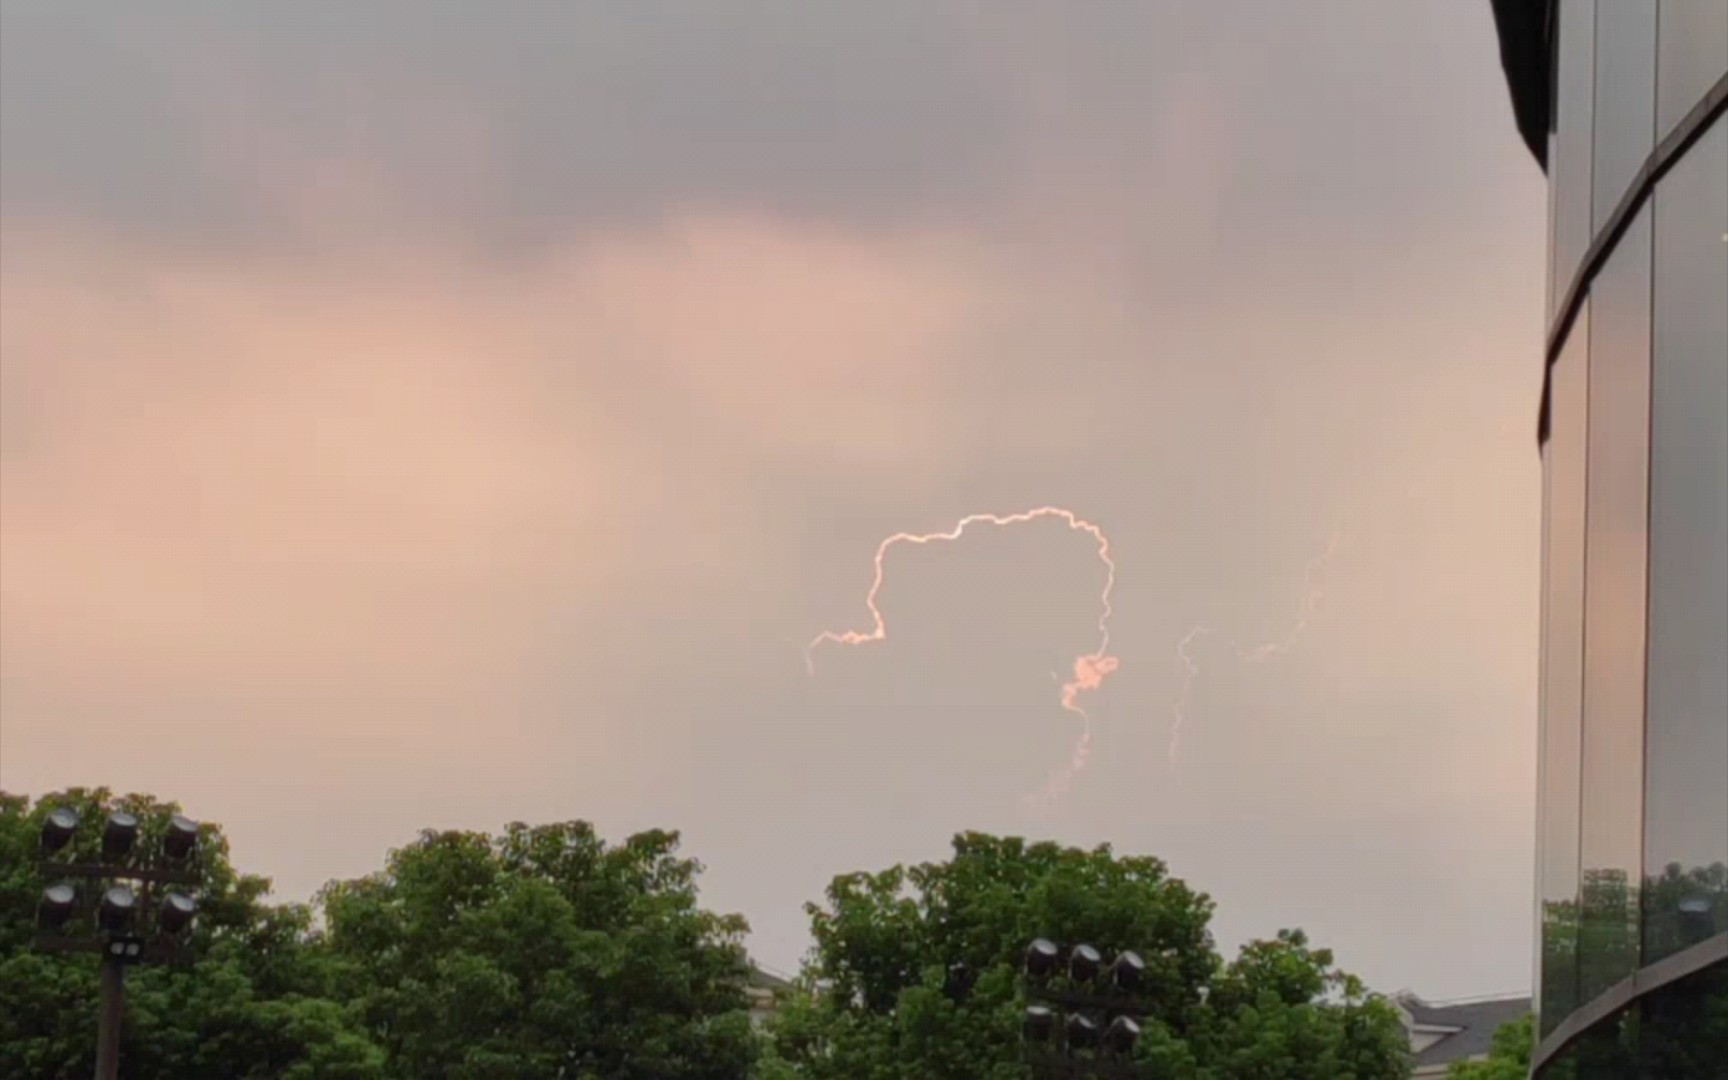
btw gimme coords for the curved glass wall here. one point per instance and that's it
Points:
(1632, 841)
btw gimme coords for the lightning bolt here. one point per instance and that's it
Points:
(1257, 654)
(1089, 669)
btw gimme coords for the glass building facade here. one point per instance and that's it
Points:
(1624, 102)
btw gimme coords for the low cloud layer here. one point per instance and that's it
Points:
(441, 420)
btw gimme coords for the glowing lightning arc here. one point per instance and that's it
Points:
(1259, 654)
(1090, 669)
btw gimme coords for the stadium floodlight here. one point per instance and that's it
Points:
(119, 834)
(57, 828)
(176, 913)
(57, 905)
(119, 906)
(1084, 963)
(181, 839)
(1121, 1035)
(1041, 958)
(1082, 1030)
(1127, 971)
(1037, 1024)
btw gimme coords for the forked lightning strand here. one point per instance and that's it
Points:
(1259, 654)
(1090, 669)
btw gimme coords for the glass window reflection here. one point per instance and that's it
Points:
(1569, 151)
(1562, 678)
(1686, 829)
(1684, 1033)
(1675, 1032)
(1625, 110)
(1612, 797)
(1692, 54)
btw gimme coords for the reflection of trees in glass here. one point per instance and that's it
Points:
(1610, 1049)
(1679, 1032)
(1558, 994)
(1684, 1035)
(1608, 933)
(1683, 907)
(1590, 944)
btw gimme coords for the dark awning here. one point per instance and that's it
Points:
(1526, 54)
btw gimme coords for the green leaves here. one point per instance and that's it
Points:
(1508, 1056)
(542, 952)
(252, 1005)
(546, 952)
(889, 1005)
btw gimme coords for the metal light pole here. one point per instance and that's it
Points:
(127, 894)
(108, 1019)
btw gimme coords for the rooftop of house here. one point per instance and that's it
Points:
(1456, 1030)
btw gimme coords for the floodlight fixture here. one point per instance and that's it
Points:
(1127, 971)
(1084, 963)
(118, 908)
(1082, 1030)
(181, 839)
(58, 903)
(119, 835)
(57, 828)
(1042, 958)
(176, 912)
(1037, 1024)
(1121, 1035)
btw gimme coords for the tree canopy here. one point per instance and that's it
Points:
(547, 952)
(915, 975)
(539, 953)
(542, 952)
(255, 1003)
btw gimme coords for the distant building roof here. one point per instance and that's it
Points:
(1457, 1030)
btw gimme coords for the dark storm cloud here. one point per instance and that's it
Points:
(589, 112)
(321, 499)
(514, 124)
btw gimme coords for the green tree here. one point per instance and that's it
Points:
(256, 1002)
(915, 975)
(543, 952)
(1508, 1055)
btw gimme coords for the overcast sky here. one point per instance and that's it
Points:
(443, 414)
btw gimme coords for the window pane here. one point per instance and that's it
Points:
(1686, 828)
(1692, 55)
(1675, 1032)
(1684, 1034)
(1562, 678)
(1609, 1050)
(1625, 117)
(1569, 159)
(1612, 799)
(1562, 1067)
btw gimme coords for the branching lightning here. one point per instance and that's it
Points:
(1089, 669)
(1312, 596)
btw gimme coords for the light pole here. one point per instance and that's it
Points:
(124, 906)
(1083, 1019)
